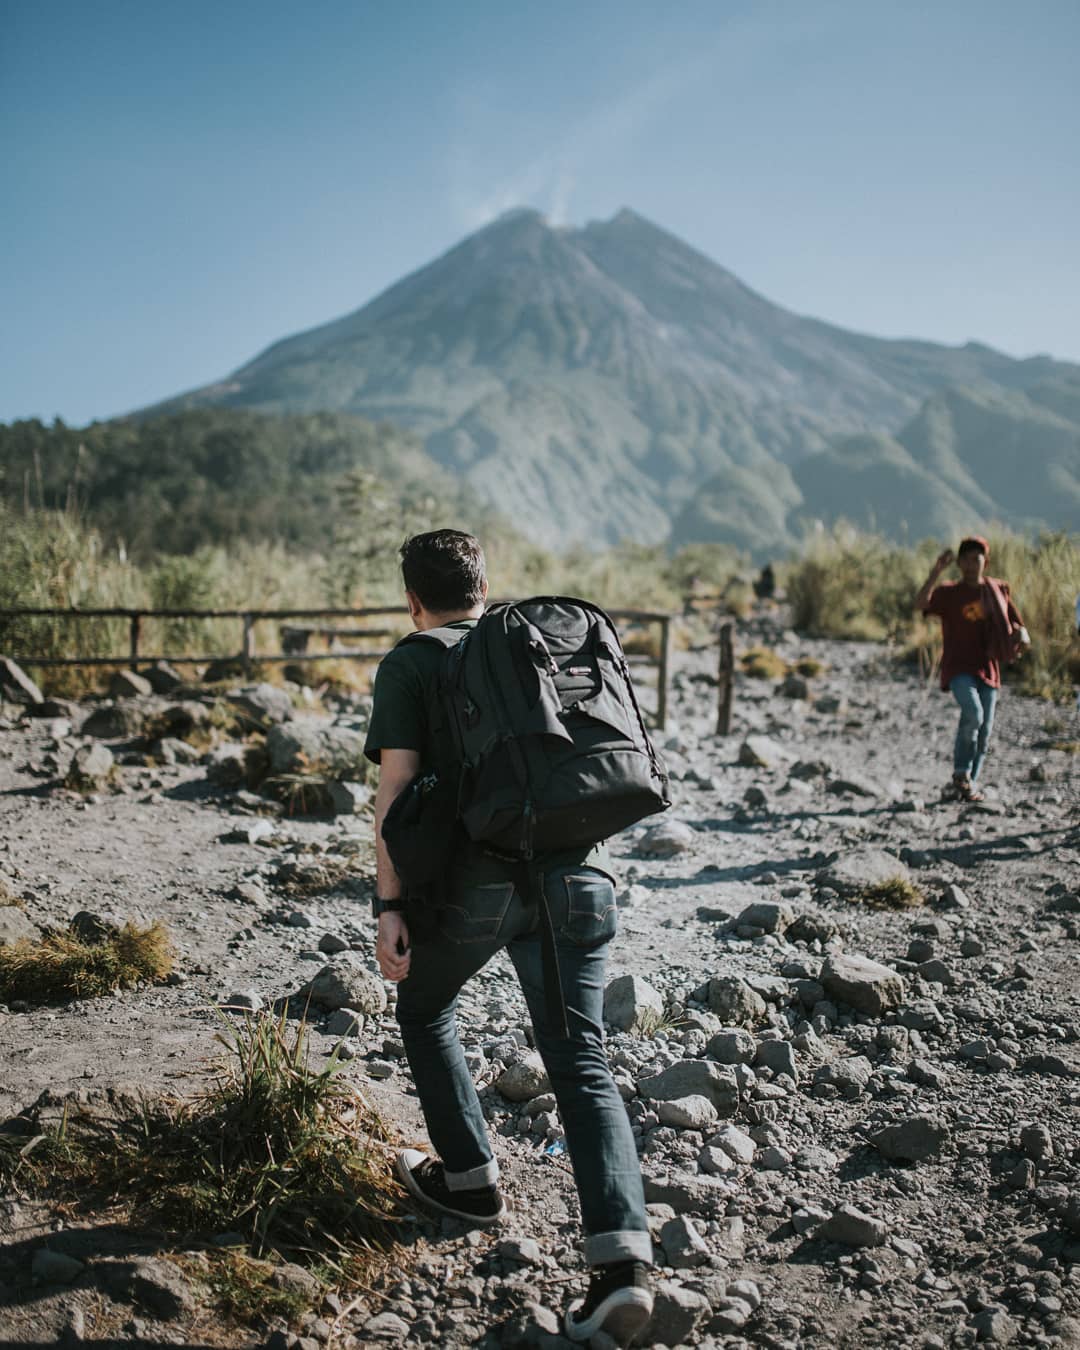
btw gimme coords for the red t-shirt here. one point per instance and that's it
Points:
(965, 631)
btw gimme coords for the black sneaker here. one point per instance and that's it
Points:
(425, 1178)
(619, 1302)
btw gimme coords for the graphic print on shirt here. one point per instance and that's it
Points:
(973, 611)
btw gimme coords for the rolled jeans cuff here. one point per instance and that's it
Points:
(487, 1174)
(631, 1244)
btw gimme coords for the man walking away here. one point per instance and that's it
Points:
(431, 950)
(980, 629)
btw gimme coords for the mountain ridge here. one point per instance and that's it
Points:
(594, 380)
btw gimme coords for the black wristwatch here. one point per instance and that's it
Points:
(386, 906)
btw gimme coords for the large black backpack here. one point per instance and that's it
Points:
(537, 710)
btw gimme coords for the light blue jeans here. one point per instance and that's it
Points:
(977, 702)
(477, 922)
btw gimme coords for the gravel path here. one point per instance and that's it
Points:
(834, 1156)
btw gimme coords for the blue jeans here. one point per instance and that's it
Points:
(977, 702)
(478, 921)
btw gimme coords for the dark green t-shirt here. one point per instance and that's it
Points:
(405, 688)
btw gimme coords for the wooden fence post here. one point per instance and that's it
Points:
(725, 679)
(247, 650)
(663, 673)
(133, 639)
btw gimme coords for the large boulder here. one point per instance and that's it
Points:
(15, 926)
(632, 1004)
(312, 745)
(761, 752)
(92, 767)
(861, 868)
(264, 704)
(912, 1140)
(345, 982)
(693, 1078)
(113, 721)
(734, 1001)
(15, 685)
(667, 840)
(862, 984)
(524, 1079)
(129, 684)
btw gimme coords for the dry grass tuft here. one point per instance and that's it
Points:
(809, 667)
(895, 893)
(62, 966)
(289, 1157)
(762, 663)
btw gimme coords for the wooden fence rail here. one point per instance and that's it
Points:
(288, 634)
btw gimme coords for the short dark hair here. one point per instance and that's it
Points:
(974, 543)
(444, 569)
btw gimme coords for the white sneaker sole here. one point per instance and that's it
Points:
(623, 1315)
(410, 1158)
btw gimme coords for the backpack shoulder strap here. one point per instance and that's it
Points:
(445, 637)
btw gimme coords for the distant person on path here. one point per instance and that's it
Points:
(980, 629)
(431, 950)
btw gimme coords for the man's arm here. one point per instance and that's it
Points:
(927, 588)
(396, 769)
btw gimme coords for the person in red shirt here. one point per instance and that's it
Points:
(970, 664)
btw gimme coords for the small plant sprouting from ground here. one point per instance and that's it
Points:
(290, 1157)
(762, 663)
(650, 1023)
(894, 893)
(63, 966)
(244, 1288)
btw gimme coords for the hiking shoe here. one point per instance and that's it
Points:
(619, 1302)
(425, 1179)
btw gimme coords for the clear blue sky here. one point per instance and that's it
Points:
(186, 182)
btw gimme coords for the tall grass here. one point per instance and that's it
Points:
(848, 584)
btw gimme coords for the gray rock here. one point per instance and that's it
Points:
(170, 750)
(521, 1249)
(347, 799)
(677, 1313)
(152, 1282)
(862, 984)
(524, 1079)
(761, 752)
(129, 684)
(1035, 1140)
(994, 1326)
(263, 704)
(226, 765)
(687, 1113)
(937, 972)
(861, 868)
(795, 686)
(779, 1056)
(854, 1228)
(15, 926)
(734, 1001)
(163, 678)
(771, 916)
(849, 1076)
(312, 745)
(54, 1267)
(631, 1003)
(912, 1140)
(345, 1022)
(714, 1161)
(729, 1315)
(252, 833)
(345, 982)
(736, 1046)
(854, 785)
(735, 1143)
(15, 685)
(387, 1326)
(246, 1000)
(954, 898)
(91, 768)
(113, 721)
(693, 1078)
(667, 839)
(683, 1245)
(688, 1194)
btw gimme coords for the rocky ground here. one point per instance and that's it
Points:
(858, 1125)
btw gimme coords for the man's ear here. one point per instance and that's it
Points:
(484, 589)
(415, 607)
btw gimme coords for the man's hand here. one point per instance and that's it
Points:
(392, 946)
(944, 560)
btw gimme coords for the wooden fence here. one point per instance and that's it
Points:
(294, 636)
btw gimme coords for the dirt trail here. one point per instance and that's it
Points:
(977, 1240)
